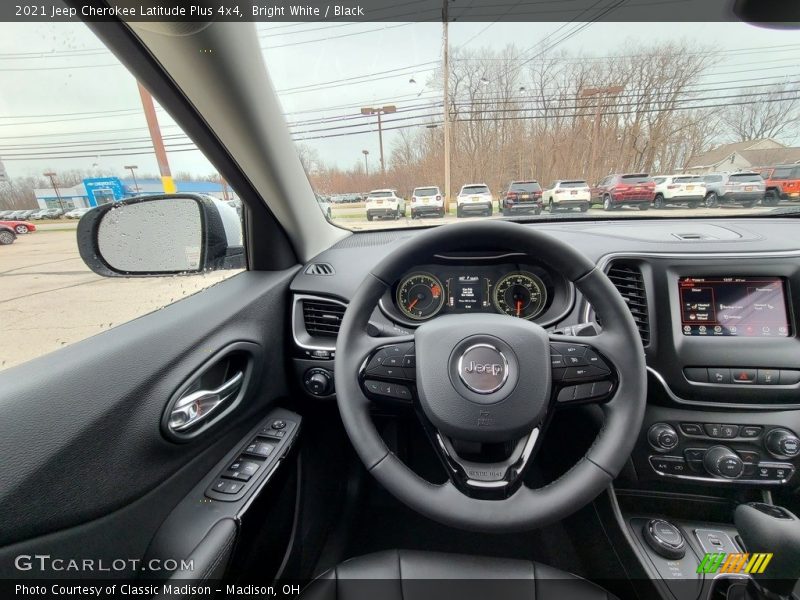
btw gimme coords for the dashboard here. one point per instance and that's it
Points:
(490, 283)
(716, 302)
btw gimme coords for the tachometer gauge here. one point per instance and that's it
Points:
(520, 294)
(420, 296)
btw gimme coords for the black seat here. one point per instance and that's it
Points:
(412, 575)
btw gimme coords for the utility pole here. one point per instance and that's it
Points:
(446, 88)
(132, 169)
(158, 142)
(52, 177)
(599, 93)
(368, 110)
(366, 164)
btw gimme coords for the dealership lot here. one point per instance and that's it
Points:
(49, 298)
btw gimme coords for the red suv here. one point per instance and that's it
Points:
(633, 189)
(782, 181)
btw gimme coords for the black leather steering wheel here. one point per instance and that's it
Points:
(490, 379)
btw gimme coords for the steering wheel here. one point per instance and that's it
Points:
(489, 381)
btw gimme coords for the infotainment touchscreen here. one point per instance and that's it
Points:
(734, 306)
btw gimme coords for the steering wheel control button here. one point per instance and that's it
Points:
(719, 375)
(388, 390)
(692, 429)
(483, 368)
(664, 538)
(662, 437)
(669, 465)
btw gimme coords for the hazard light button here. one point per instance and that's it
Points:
(743, 375)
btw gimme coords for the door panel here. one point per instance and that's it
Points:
(80, 429)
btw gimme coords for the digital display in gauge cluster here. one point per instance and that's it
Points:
(468, 293)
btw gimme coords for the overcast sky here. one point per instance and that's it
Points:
(60, 90)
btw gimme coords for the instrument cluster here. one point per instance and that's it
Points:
(520, 290)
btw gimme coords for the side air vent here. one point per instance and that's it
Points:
(320, 269)
(322, 317)
(628, 280)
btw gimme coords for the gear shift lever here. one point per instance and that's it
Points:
(772, 529)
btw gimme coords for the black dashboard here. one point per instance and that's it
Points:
(716, 302)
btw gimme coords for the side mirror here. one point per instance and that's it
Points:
(170, 234)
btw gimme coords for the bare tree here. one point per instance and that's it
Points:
(768, 113)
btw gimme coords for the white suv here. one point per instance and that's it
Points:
(679, 189)
(474, 198)
(385, 204)
(427, 201)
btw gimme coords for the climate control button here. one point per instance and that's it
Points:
(723, 462)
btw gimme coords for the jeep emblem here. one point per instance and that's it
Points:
(483, 368)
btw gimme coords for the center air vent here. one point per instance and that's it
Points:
(322, 318)
(628, 280)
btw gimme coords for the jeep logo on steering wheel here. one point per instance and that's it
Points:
(483, 368)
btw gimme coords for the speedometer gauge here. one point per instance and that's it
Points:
(520, 294)
(420, 296)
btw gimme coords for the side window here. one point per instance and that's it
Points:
(84, 133)
(660, 180)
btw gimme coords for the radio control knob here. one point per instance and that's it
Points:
(782, 443)
(662, 437)
(723, 462)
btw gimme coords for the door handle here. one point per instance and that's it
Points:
(196, 407)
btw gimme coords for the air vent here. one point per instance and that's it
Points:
(630, 283)
(322, 318)
(320, 269)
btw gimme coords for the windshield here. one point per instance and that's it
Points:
(426, 191)
(746, 177)
(380, 194)
(604, 102)
(786, 173)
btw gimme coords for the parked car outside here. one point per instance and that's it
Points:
(522, 197)
(781, 183)
(679, 189)
(746, 188)
(324, 205)
(630, 189)
(48, 213)
(77, 213)
(5, 213)
(385, 203)
(427, 200)
(474, 198)
(7, 235)
(20, 227)
(567, 193)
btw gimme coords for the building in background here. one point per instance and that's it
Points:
(741, 156)
(103, 190)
